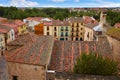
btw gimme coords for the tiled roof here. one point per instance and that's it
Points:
(34, 18)
(88, 19)
(117, 25)
(76, 19)
(19, 22)
(30, 49)
(4, 29)
(3, 69)
(65, 53)
(90, 25)
(114, 32)
(11, 25)
(1, 18)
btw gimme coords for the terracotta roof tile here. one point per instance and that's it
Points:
(11, 25)
(65, 53)
(76, 19)
(88, 19)
(19, 22)
(117, 25)
(35, 18)
(4, 29)
(31, 49)
(90, 25)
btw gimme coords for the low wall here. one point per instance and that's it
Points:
(66, 76)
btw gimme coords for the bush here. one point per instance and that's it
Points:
(95, 65)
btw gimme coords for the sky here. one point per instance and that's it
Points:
(61, 3)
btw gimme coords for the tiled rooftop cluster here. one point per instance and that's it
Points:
(65, 53)
(13, 24)
(30, 49)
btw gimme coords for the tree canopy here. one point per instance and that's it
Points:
(113, 17)
(56, 13)
(95, 65)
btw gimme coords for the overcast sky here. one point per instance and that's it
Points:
(61, 3)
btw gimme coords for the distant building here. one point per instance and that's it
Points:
(89, 32)
(38, 29)
(13, 26)
(52, 28)
(21, 26)
(18, 26)
(77, 28)
(64, 31)
(31, 22)
(2, 41)
(7, 35)
(28, 57)
(100, 29)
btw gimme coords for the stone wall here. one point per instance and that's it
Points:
(65, 76)
(115, 45)
(26, 71)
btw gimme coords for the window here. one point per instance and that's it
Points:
(81, 23)
(76, 39)
(66, 34)
(66, 38)
(47, 33)
(61, 38)
(47, 28)
(72, 29)
(81, 28)
(66, 28)
(77, 29)
(55, 29)
(88, 35)
(55, 34)
(81, 39)
(81, 33)
(1, 39)
(72, 24)
(62, 34)
(15, 77)
(61, 28)
(12, 34)
(76, 34)
(77, 25)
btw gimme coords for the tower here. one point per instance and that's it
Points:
(102, 18)
(103, 21)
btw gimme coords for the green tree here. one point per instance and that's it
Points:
(96, 65)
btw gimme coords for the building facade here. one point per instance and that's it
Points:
(77, 29)
(38, 29)
(7, 35)
(52, 29)
(19, 71)
(89, 32)
(2, 41)
(21, 26)
(64, 31)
